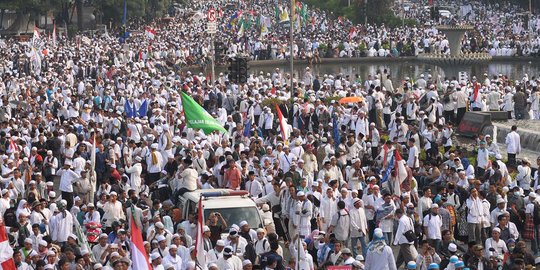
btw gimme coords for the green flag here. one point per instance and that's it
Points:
(197, 117)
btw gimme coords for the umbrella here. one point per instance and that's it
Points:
(351, 100)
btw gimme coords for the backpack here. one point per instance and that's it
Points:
(258, 258)
(250, 253)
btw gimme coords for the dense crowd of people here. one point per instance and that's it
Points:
(93, 136)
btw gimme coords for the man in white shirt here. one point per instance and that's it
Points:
(286, 159)
(340, 224)
(371, 206)
(482, 160)
(173, 258)
(67, 178)
(499, 210)
(432, 226)
(407, 251)
(229, 261)
(358, 226)
(135, 171)
(412, 160)
(253, 186)
(513, 145)
(475, 215)
(217, 252)
(496, 243)
(155, 162)
(327, 209)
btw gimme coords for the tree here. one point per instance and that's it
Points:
(34, 8)
(112, 10)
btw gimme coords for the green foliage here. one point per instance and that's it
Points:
(114, 9)
(393, 21)
(328, 100)
(362, 47)
(377, 11)
(149, 9)
(271, 103)
(32, 6)
(323, 49)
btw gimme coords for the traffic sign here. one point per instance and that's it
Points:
(211, 15)
(211, 27)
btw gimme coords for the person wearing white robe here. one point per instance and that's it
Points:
(304, 215)
(359, 226)
(379, 255)
(135, 174)
(327, 209)
(173, 259)
(304, 260)
(61, 224)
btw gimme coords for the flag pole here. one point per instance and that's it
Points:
(291, 41)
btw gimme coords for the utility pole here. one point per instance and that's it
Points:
(291, 41)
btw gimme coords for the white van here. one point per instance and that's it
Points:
(234, 206)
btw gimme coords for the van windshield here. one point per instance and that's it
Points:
(237, 215)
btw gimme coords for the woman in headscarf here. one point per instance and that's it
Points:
(23, 208)
(379, 254)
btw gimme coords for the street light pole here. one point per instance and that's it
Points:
(213, 50)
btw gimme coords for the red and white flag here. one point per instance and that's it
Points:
(6, 252)
(150, 33)
(12, 145)
(282, 125)
(352, 32)
(400, 172)
(199, 244)
(476, 90)
(138, 253)
(54, 34)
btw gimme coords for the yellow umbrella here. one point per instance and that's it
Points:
(351, 100)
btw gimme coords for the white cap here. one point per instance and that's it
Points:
(154, 256)
(300, 193)
(160, 238)
(452, 247)
(246, 262)
(206, 228)
(243, 223)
